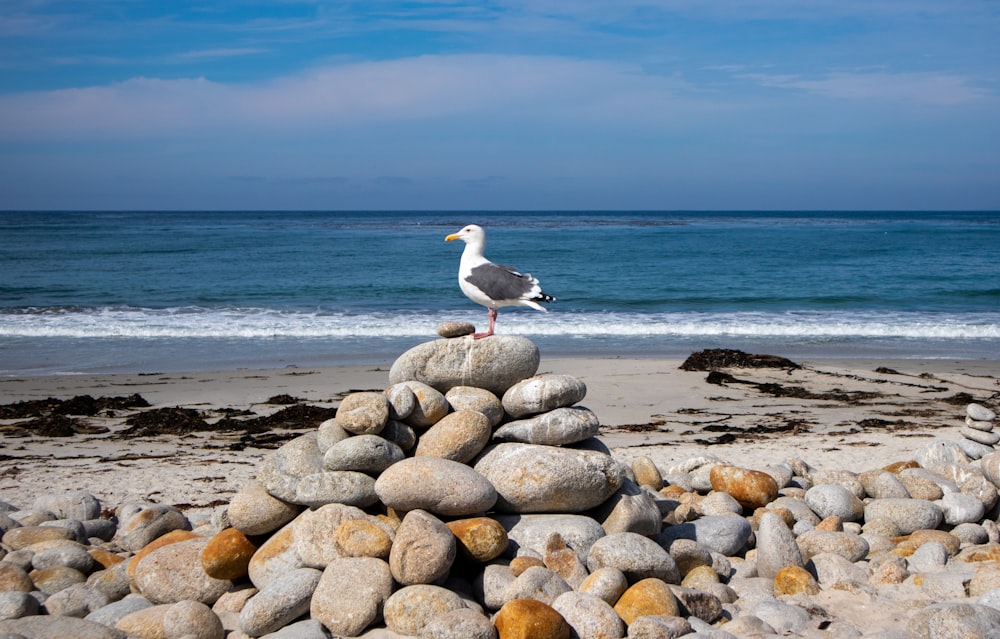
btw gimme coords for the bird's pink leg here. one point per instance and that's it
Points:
(493, 323)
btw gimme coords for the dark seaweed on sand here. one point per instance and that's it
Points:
(79, 405)
(715, 358)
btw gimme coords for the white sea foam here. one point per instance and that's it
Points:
(257, 323)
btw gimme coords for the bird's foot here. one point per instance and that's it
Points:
(481, 335)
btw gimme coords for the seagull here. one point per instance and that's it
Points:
(493, 285)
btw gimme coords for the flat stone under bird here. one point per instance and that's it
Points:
(493, 285)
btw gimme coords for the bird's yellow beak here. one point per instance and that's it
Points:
(453, 236)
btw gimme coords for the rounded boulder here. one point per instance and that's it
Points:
(495, 364)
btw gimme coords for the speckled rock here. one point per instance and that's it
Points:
(400, 434)
(79, 505)
(254, 511)
(724, 534)
(48, 627)
(542, 393)
(281, 470)
(78, 600)
(660, 627)
(458, 436)
(631, 509)
(423, 551)
(881, 484)
(283, 601)
(959, 508)
(63, 553)
(589, 616)
(52, 580)
(647, 597)
(530, 619)
(531, 479)
(532, 532)
(849, 546)
(751, 488)
(408, 610)
(954, 621)
(834, 500)
(363, 413)
(369, 454)
(15, 604)
(350, 595)
(558, 427)
(538, 583)
(431, 405)
(173, 573)
(362, 538)
(477, 399)
(638, 557)
(14, 578)
(171, 537)
(335, 487)
(776, 547)
(182, 619)
(607, 583)
(401, 400)
(495, 364)
(441, 486)
(646, 473)
(464, 623)
(24, 536)
(313, 531)
(908, 515)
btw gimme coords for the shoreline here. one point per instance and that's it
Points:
(831, 413)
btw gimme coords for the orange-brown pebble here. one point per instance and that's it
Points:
(171, 537)
(520, 564)
(906, 545)
(794, 580)
(227, 555)
(897, 467)
(530, 619)
(833, 523)
(751, 488)
(647, 597)
(671, 492)
(360, 538)
(104, 557)
(480, 539)
(989, 552)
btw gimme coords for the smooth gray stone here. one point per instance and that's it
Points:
(49, 627)
(532, 479)
(928, 557)
(281, 602)
(306, 629)
(980, 437)
(78, 600)
(636, 556)
(477, 399)
(538, 583)
(533, 532)
(828, 500)
(558, 427)
(15, 604)
(336, 487)
(408, 610)
(281, 470)
(495, 363)
(776, 547)
(830, 569)
(363, 413)
(112, 613)
(724, 534)
(785, 618)
(543, 393)
(849, 546)
(589, 616)
(980, 413)
(79, 505)
(464, 623)
(362, 453)
(959, 508)
(908, 515)
(440, 486)
(954, 621)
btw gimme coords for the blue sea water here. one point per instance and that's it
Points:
(168, 291)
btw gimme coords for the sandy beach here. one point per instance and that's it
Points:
(833, 414)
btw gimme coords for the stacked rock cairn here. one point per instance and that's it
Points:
(979, 438)
(471, 500)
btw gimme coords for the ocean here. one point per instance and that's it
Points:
(119, 291)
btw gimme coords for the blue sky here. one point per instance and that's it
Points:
(509, 104)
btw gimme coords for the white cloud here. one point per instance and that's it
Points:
(507, 87)
(920, 87)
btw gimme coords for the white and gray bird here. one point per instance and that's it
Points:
(493, 285)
